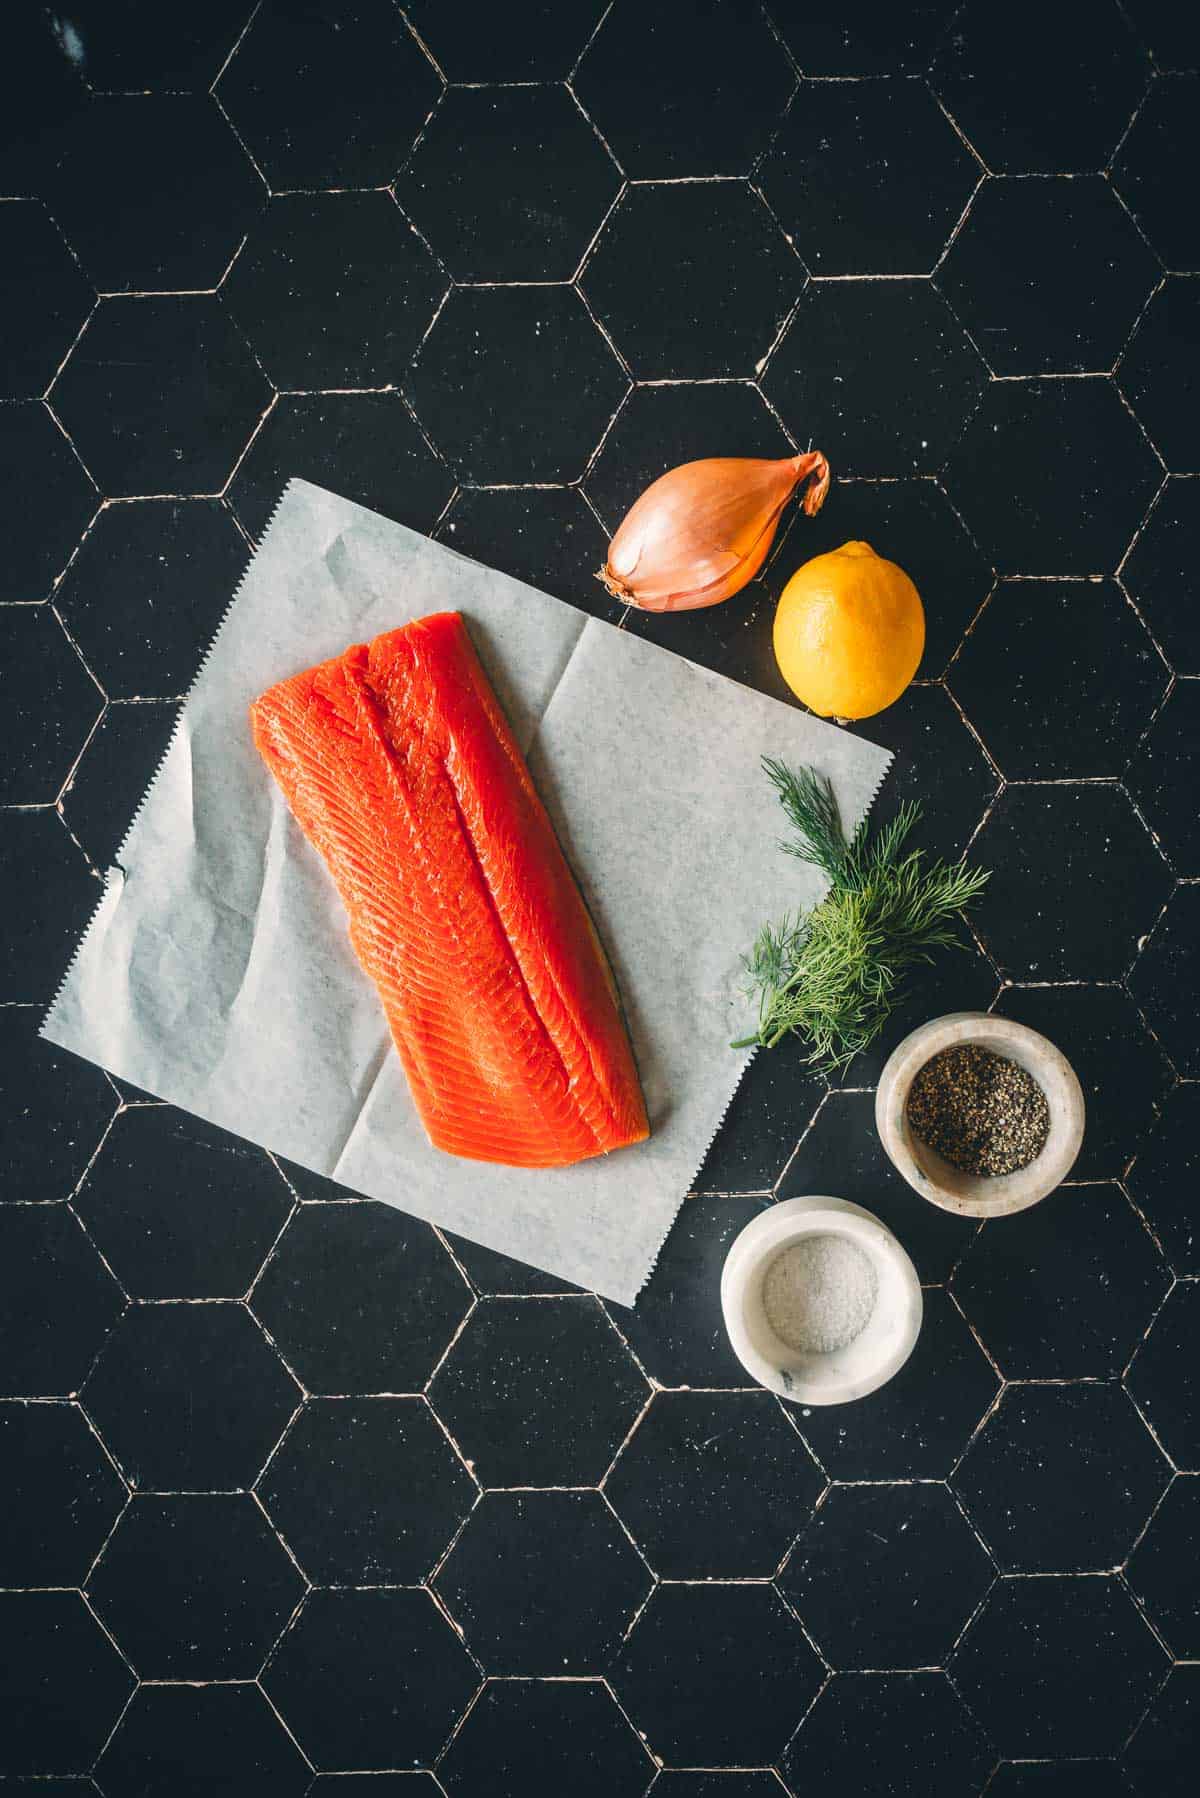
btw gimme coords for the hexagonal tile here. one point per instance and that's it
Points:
(667, 88)
(770, 1111)
(1164, 1568)
(328, 99)
(62, 1495)
(1156, 573)
(714, 1675)
(534, 40)
(366, 446)
(917, 1426)
(1164, 772)
(1058, 1779)
(44, 298)
(505, 1578)
(545, 1735)
(1163, 138)
(919, 1572)
(1058, 1666)
(41, 89)
(161, 1244)
(714, 1485)
(842, 1153)
(1082, 678)
(527, 349)
(193, 1739)
(189, 1397)
(49, 491)
(546, 536)
(538, 1392)
(121, 759)
(230, 1590)
(863, 1722)
(1048, 276)
(725, 1783)
(1122, 1070)
(334, 1491)
(138, 47)
(732, 639)
(382, 1785)
(370, 1679)
(1063, 111)
(153, 191)
(926, 734)
(1052, 476)
(57, 1301)
(1065, 1290)
(1163, 1178)
(499, 1276)
(1109, 882)
(1165, 1741)
(160, 394)
(46, 894)
(1163, 1376)
(864, 38)
(1163, 979)
(64, 1683)
(334, 290)
(881, 369)
(50, 703)
(361, 1298)
(1061, 1478)
(685, 240)
(1159, 373)
(1172, 36)
(53, 1110)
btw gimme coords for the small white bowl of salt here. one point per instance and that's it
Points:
(821, 1303)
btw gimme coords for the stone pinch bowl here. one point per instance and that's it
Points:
(862, 1365)
(980, 1195)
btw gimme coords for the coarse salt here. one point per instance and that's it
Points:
(818, 1294)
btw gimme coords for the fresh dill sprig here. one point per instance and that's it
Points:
(833, 975)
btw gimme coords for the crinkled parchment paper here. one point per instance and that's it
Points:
(217, 973)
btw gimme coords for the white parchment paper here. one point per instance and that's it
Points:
(217, 973)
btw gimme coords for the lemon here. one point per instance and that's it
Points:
(849, 632)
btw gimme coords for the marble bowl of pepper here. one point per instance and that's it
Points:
(981, 1115)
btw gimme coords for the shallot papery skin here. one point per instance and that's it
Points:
(702, 531)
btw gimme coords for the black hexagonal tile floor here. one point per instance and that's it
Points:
(1162, 140)
(1053, 476)
(370, 1679)
(919, 1572)
(685, 240)
(1048, 276)
(1164, 1177)
(1163, 980)
(189, 1397)
(1082, 678)
(1164, 1568)
(366, 446)
(926, 734)
(917, 1426)
(120, 760)
(770, 1111)
(1063, 1291)
(508, 183)
(160, 394)
(722, 1783)
(49, 491)
(1172, 37)
(137, 47)
(161, 1244)
(547, 536)
(1061, 112)
(1161, 1756)
(551, 382)
(666, 88)
(366, 1492)
(868, 178)
(1164, 1380)
(328, 97)
(360, 1298)
(1120, 1067)
(229, 1590)
(382, 1785)
(50, 703)
(44, 298)
(62, 1495)
(57, 1301)
(334, 290)
(190, 1740)
(1058, 1666)
(1061, 1478)
(505, 1579)
(863, 38)
(538, 1392)
(1163, 776)
(1058, 1779)
(523, 1736)
(716, 1675)
(1157, 569)
(1159, 373)
(1110, 882)
(714, 1485)
(64, 1683)
(842, 1154)
(891, 410)
(865, 1722)
(499, 1276)
(46, 894)
(733, 639)
(534, 40)
(153, 191)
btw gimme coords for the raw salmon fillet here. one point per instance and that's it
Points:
(400, 767)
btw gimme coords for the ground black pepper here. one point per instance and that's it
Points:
(980, 1112)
